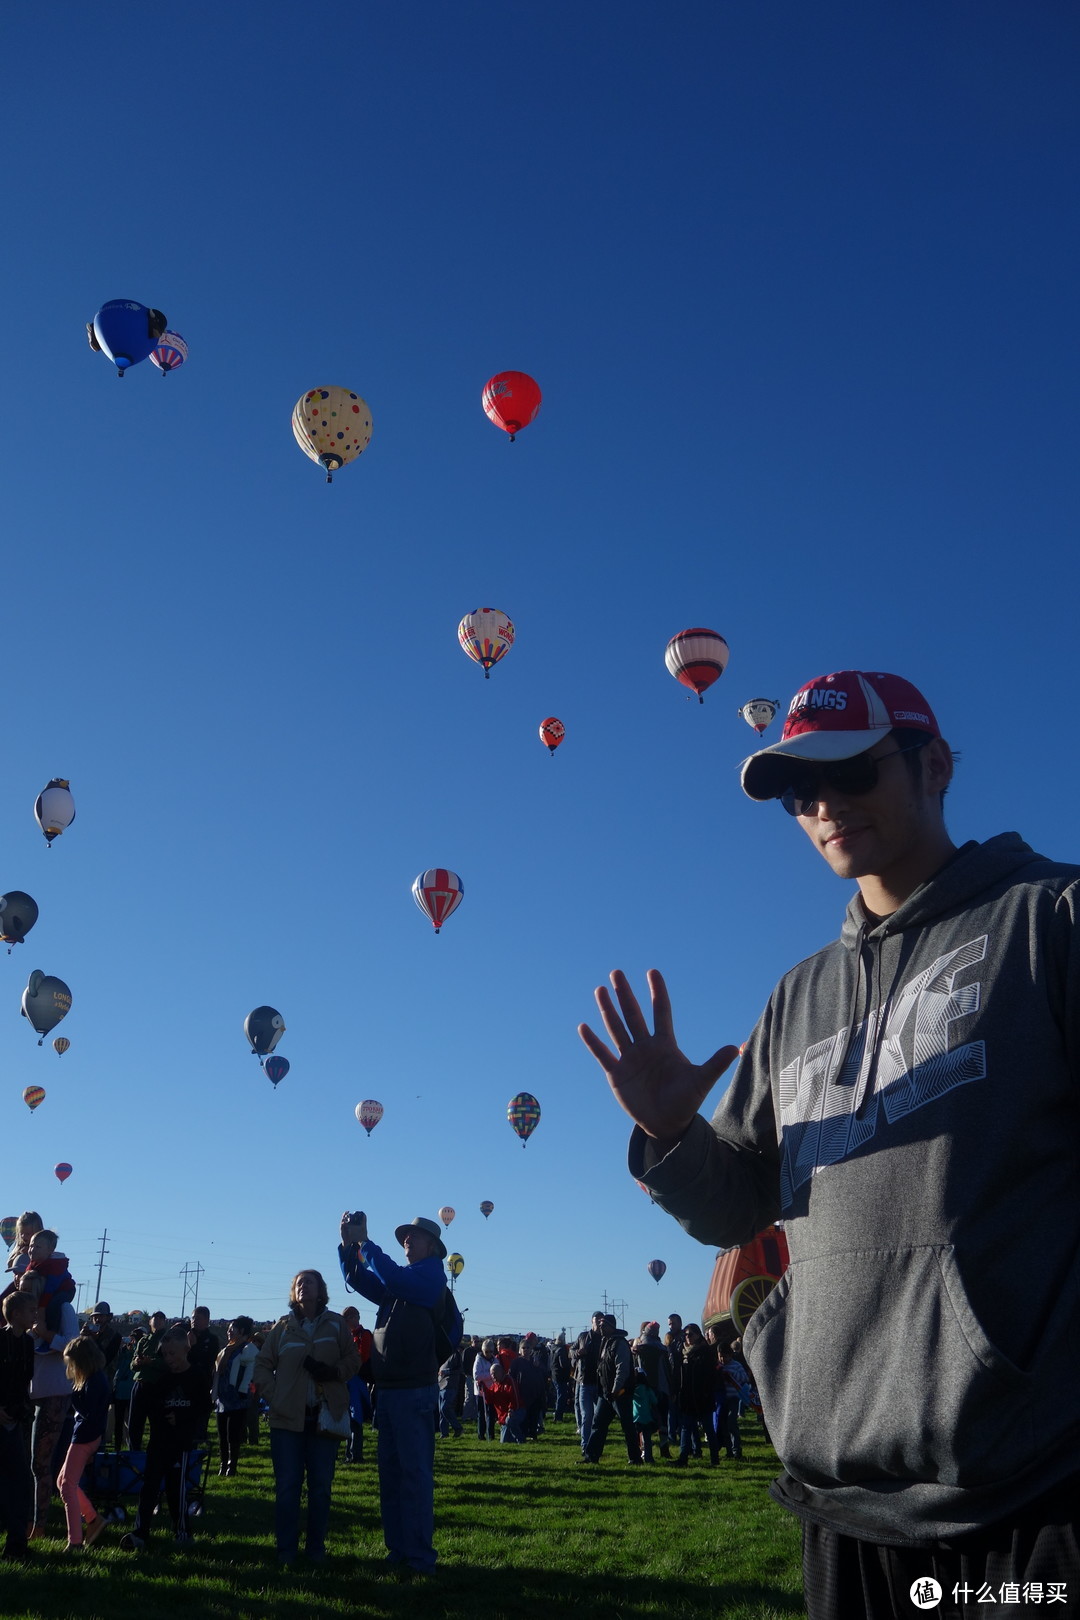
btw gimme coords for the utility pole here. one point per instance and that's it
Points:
(615, 1307)
(193, 1268)
(101, 1261)
(78, 1299)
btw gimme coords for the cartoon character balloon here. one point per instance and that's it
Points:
(170, 353)
(523, 1112)
(552, 732)
(760, 713)
(45, 1001)
(486, 635)
(697, 658)
(486, 1208)
(61, 1045)
(8, 1227)
(332, 426)
(511, 399)
(61, 1172)
(455, 1264)
(446, 1214)
(55, 808)
(18, 914)
(369, 1112)
(33, 1097)
(656, 1269)
(276, 1068)
(438, 892)
(125, 331)
(264, 1027)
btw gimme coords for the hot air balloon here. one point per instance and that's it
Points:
(275, 1069)
(332, 426)
(61, 1172)
(486, 1208)
(60, 1045)
(511, 399)
(552, 732)
(8, 1228)
(656, 1269)
(33, 1096)
(455, 1264)
(486, 635)
(44, 1002)
(170, 354)
(523, 1112)
(697, 658)
(438, 892)
(760, 713)
(446, 1214)
(264, 1028)
(55, 808)
(18, 914)
(369, 1112)
(125, 331)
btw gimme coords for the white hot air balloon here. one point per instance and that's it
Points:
(55, 808)
(760, 713)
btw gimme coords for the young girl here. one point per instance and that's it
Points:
(18, 1259)
(85, 1366)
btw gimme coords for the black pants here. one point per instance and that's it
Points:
(136, 1416)
(121, 1405)
(232, 1429)
(845, 1579)
(16, 1488)
(621, 1406)
(165, 1465)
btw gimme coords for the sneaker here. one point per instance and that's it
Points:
(93, 1530)
(132, 1543)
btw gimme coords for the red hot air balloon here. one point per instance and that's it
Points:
(61, 1172)
(486, 1208)
(697, 658)
(369, 1112)
(511, 399)
(438, 892)
(656, 1269)
(552, 732)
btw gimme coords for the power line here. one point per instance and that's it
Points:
(192, 1268)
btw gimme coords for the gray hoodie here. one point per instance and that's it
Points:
(909, 1105)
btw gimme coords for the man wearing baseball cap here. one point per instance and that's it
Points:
(416, 1321)
(908, 1104)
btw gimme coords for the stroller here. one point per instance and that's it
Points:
(114, 1481)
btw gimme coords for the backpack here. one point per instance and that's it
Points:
(449, 1326)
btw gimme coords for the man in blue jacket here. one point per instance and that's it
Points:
(909, 1103)
(405, 1362)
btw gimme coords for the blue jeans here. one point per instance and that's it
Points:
(486, 1422)
(562, 1398)
(584, 1407)
(514, 1427)
(407, 1474)
(448, 1418)
(294, 1456)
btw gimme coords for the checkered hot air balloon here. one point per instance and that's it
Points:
(171, 352)
(552, 732)
(486, 635)
(438, 892)
(332, 426)
(697, 658)
(523, 1112)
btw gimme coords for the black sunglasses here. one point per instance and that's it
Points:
(845, 776)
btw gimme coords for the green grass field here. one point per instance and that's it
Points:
(523, 1533)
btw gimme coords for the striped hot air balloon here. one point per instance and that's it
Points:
(61, 1172)
(33, 1096)
(447, 1213)
(438, 892)
(697, 658)
(171, 352)
(275, 1069)
(8, 1227)
(486, 635)
(486, 1208)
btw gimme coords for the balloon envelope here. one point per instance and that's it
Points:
(122, 328)
(760, 713)
(523, 1112)
(438, 892)
(18, 914)
(332, 426)
(455, 1264)
(61, 1171)
(552, 732)
(33, 1096)
(486, 1208)
(446, 1214)
(656, 1269)
(264, 1027)
(45, 1001)
(486, 635)
(697, 658)
(171, 352)
(511, 399)
(60, 1045)
(55, 808)
(369, 1112)
(7, 1228)
(275, 1069)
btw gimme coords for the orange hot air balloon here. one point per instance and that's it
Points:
(552, 732)
(33, 1097)
(511, 399)
(697, 658)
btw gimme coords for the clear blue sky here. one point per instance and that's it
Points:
(799, 285)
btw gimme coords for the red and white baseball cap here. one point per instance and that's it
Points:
(836, 717)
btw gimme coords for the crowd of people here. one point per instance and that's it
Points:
(70, 1391)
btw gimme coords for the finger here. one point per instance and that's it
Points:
(603, 1055)
(661, 1004)
(717, 1065)
(631, 1010)
(612, 1022)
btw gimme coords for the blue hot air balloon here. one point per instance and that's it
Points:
(276, 1068)
(125, 331)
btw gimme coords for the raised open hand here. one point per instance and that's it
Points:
(653, 1081)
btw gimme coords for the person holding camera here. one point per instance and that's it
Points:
(412, 1337)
